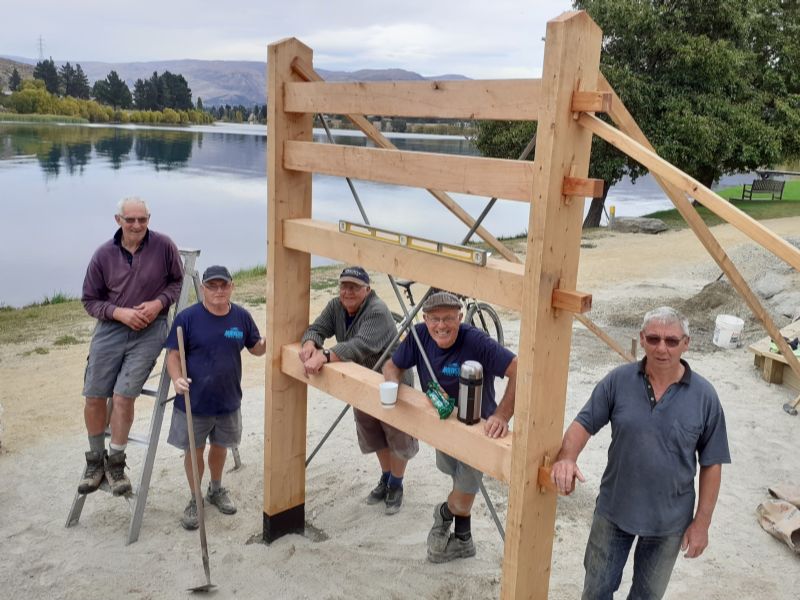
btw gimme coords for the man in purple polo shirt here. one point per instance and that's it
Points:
(130, 284)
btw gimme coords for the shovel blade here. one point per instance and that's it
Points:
(206, 587)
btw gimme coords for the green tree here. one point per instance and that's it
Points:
(714, 85)
(199, 103)
(80, 84)
(14, 80)
(112, 91)
(46, 71)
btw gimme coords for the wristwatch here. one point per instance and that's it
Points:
(327, 354)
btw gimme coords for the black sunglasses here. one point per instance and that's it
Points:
(671, 342)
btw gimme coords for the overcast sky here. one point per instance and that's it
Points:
(477, 38)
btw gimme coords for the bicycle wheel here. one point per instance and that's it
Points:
(483, 316)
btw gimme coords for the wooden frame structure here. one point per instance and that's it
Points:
(542, 289)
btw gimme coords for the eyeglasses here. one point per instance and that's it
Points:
(671, 342)
(449, 320)
(132, 220)
(215, 287)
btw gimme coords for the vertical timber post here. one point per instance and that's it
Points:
(288, 289)
(571, 62)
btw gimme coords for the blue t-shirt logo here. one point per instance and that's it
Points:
(234, 333)
(451, 370)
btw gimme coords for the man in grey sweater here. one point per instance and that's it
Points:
(363, 327)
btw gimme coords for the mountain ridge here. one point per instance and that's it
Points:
(220, 82)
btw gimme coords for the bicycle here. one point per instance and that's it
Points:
(479, 314)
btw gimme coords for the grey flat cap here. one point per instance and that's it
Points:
(441, 300)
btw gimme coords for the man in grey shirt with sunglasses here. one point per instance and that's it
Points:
(130, 283)
(664, 418)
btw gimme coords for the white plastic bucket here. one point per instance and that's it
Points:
(728, 331)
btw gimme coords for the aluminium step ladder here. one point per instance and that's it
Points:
(138, 497)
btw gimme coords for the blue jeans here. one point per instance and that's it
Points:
(607, 552)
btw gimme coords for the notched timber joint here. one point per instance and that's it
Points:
(543, 477)
(571, 301)
(591, 102)
(582, 187)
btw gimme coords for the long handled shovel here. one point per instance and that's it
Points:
(198, 494)
(792, 408)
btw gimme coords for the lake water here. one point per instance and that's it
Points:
(206, 188)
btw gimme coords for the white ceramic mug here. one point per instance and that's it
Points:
(388, 391)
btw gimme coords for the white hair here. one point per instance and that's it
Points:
(666, 316)
(131, 200)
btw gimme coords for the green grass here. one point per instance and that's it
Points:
(37, 350)
(19, 325)
(57, 298)
(36, 118)
(758, 209)
(66, 340)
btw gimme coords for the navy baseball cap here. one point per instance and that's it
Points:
(217, 272)
(354, 275)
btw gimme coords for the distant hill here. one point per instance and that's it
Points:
(7, 66)
(220, 82)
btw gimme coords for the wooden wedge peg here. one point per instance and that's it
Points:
(571, 301)
(591, 102)
(583, 187)
(543, 478)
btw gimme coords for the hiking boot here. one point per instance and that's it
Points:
(115, 474)
(394, 499)
(379, 493)
(440, 532)
(189, 520)
(94, 473)
(455, 548)
(221, 500)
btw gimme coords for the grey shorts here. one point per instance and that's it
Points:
(221, 430)
(374, 435)
(465, 478)
(120, 359)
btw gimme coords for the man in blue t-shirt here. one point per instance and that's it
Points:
(448, 343)
(215, 331)
(664, 418)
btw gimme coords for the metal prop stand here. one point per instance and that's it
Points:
(408, 318)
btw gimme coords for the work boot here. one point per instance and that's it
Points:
(394, 499)
(455, 548)
(439, 534)
(189, 520)
(221, 500)
(93, 475)
(115, 474)
(378, 494)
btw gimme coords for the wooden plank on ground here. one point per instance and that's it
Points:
(499, 282)
(413, 414)
(507, 99)
(571, 62)
(509, 179)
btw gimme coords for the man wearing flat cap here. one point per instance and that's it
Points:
(363, 327)
(448, 342)
(215, 332)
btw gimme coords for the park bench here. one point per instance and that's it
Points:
(772, 187)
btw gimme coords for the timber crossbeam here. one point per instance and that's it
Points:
(414, 414)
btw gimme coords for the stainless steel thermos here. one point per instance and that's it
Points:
(470, 392)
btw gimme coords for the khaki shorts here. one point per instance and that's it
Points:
(221, 430)
(120, 359)
(465, 478)
(374, 435)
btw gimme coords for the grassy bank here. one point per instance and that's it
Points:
(758, 209)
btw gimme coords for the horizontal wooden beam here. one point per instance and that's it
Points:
(413, 414)
(307, 72)
(499, 282)
(689, 185)
(508, 99)
(591, 101)
(571, 301)
(509, 179)
(583, 187)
